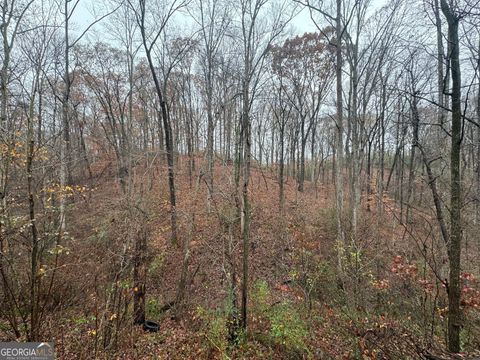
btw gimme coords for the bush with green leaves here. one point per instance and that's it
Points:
(287, 328)
(215, 328)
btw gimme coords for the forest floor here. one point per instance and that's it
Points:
(297, 307)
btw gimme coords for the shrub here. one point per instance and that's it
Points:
(215, 329)
(286, 327)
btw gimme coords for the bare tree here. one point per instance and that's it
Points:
(453, 17)
(256, 39)
(307, 66)
(150, 38)
(214, 21)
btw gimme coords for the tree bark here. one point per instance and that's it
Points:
(454, 248)
(339, 140)
(139, 277)
(166, 126)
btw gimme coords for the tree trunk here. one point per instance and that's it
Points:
(477, 204)
(210, 128)
(281, 192)
(246, 201)
(454, 249)
(303, 143)
(167, 129)
(412, 163)
(339, 141)
(34, 276)
(139, 277)
(382, 150)
(354, 164)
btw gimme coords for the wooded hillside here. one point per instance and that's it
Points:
(187, 179)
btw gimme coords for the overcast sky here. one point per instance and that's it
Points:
(83, 16)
